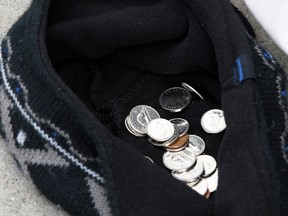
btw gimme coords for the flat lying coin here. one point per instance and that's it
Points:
(160, 129)
(209, 163)
(197, 144)
(213, 121)
(169, 141)
(192, 90)
(175, 99)
(182, 125)
(212, 181)
(179, 144)
(140, 116)
(179, 161)
(190, 175)
(201, 187)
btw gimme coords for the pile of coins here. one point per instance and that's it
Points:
(184, 155)
(197, 170)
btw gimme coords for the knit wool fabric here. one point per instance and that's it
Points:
(72, 70)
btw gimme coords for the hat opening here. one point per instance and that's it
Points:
(114, 60)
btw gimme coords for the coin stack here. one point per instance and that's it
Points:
(138, 119)
(172, 134)
(197, 170)
(184, 155)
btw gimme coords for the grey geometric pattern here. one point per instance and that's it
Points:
(49, 152)
(26, 155)
(99, 197)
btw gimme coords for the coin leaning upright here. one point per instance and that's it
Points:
(213, 121)
(209, 163)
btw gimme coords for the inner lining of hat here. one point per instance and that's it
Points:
(115, 56)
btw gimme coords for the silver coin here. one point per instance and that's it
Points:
(182, 125)
(175, 99)
(201, 187)
(191, 184)
(213, 121)
(160, 129)
(179, 161)
(149, 159)
(127, 124)
(189, 88)
(140, 116)
(190, 175)
(209, 163)
(167, 142)
(197, 144)
(212, 181)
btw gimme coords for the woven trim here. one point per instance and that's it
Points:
(283, 105)
(26, 113)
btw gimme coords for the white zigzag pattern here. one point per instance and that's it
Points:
(40, 131)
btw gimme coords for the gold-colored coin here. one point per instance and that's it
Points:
(179, 144)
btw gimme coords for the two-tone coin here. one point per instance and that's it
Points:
(175, 99)
(180, 160)
(182, 125)
(140, 116)
(197, 144)
(209, 163)
(213, 121)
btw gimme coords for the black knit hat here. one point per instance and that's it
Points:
(72, 70)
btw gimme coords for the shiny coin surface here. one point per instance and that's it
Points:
(169, 141)
(209, 163)
(175, 99)
(213, 121)
(179, 144)
(201, 187)
(148, 158)
(127, 124)
(191, 174)
(192, 183)
(140, 116)
(160, 129)
(212, 181)
(182, 125)
(179, 161)
(197, 144)
(192, 90)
